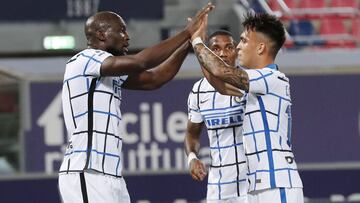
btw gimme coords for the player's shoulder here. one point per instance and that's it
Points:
(201, 85)
(94, 54)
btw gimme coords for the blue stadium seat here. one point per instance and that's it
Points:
(301, 27)
(303, 33)
(256, 6)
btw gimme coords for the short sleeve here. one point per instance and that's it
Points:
(94, 59)
(259, 80)
(194, 114)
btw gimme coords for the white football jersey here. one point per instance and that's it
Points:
(91, 108)
(223, 116)
(267, 131)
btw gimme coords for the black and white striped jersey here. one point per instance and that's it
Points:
(223, 116)
(91, 108)
(267, 131)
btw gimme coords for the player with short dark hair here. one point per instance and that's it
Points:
(223, 117)
(272, 171)
(92, 167)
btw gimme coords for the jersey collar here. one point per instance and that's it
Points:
(273, 66)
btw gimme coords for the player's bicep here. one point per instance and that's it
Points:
(140, 81)
(122, 65)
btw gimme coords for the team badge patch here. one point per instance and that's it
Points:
(237, 99)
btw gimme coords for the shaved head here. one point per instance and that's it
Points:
(102, 31)
(101, 21)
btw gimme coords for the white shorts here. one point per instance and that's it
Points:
(241, 199)
(92, 188)
(277, 195)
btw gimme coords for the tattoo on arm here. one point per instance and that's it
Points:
(217, 67)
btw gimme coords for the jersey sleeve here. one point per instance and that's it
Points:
(194, 114)
(94, 60)
(259, 80)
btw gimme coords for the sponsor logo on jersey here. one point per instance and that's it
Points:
(225, 120)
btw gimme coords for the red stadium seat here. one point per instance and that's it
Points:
(333, 31)
(345, 8)
(355, 32)
(345, 3)
(291, 3)
(312, 8)
(286, 13)
(275, 6)
(312, 4)
(332, 26)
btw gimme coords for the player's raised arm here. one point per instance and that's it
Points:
(153, 56)
(154, 78)
(221, 86)
(216, 66)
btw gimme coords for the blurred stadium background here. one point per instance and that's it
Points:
(321, 57)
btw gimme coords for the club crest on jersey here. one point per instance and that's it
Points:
(116, 85)
(239, 100)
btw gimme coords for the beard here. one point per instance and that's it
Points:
(116, 52)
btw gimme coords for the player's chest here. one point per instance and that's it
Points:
(215, 100)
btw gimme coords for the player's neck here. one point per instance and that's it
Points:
(263, 62)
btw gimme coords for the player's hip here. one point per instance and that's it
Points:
(276, 195)
(85, 187)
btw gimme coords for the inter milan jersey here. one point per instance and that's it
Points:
(267, 131)
(91, 108)
(223, 117)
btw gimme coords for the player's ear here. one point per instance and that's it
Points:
(261, 48)
(100, 35)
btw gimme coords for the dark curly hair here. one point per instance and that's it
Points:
(268, 25)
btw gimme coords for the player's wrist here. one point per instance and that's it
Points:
(196, 41)
(191, 157)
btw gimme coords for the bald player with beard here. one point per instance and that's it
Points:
(91, 170)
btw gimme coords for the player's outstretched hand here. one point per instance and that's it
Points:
(195, 22)
(197, 170)
(201, 32)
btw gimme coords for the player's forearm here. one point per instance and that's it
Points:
(192, 137)
(155, 55)
(191, 144)
(217, 67)
(221, 86)
(170, 67)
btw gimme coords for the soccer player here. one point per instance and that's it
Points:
(92, 167)
(223, 118)
(272, 171)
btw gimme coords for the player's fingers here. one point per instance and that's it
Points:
(195, 176)
(205, 10)
(206, 20)
(202, 177)
(202, 167)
